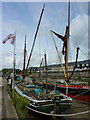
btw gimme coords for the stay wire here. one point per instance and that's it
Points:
(82, 18)
(62, 18)
(20, 61)
(84, 53)
(70, 50)
(73, 10)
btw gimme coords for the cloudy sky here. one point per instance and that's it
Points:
(22, 18)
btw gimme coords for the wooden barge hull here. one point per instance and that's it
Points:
(82, 94)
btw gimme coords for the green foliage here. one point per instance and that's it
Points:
(18, 71)
(20, 104)
(5, 71)
(8, 71)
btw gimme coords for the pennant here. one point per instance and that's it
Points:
(10, 37)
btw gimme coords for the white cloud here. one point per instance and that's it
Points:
(79, 34)
(77, 28)
(7, 61)
(7, 48)
(78, 25)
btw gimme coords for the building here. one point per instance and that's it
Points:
(82, 68)
(81, 65)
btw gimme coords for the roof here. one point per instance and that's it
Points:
(71, 63)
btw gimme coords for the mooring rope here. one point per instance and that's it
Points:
(80, 94)
(58, 115)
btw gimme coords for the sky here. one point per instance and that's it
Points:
(22, 18)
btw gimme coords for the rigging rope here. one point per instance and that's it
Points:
(82, 17)
(70, 51)
(46, 31)
(62, 18)
(39, 46)
(58, 55)
(73, 10)
(81, 93)
(20, 61)
(84, 53)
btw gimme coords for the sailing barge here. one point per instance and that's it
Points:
(75, 90)
(41, 100)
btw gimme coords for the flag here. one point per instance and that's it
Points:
(10, 37)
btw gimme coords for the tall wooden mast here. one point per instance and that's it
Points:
(65, 40)
(24, 59)
(35, 37)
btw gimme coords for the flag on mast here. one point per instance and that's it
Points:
(10, 37)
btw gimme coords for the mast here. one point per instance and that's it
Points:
(69, 14)
(14, 65)
(65, 40)
(24, 58)
(35, 37)
(46, 70)
(77, 53)
(14, 61)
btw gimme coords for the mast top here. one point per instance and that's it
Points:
(69, 14)
(44, 6)
(25, 39)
